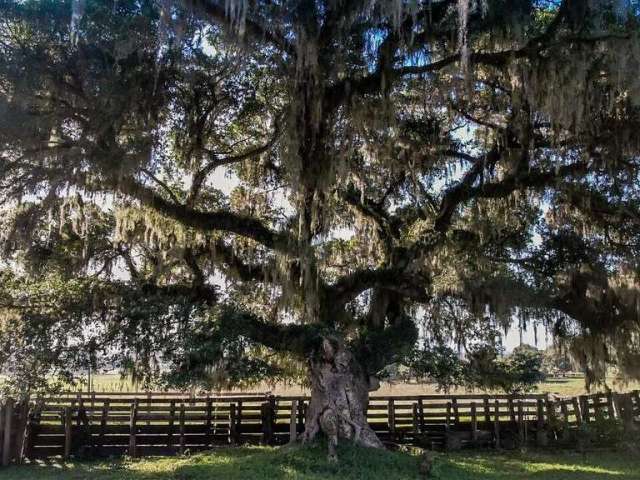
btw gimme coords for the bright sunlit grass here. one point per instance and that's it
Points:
(560, 386)
(265, 463)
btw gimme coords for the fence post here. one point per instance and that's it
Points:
(273, 416)
(21, 427)
(133, 418)
(610, 407)
(627, 415)
(232, 424)
(301, 414)
(584, 407)
(421, 413)
(512, 412)
(103, 423)
(541, 434)
(239, 423)
(84, 428)
(496, 423)
(416, 420)
(172, 416)
(8, 420)
(80, 409)
(597, 408)
(487, 412)
(576, 410)
(148, 408)
(182, 429)
(67, 432)
(33, 420)
(565, 413)
(207, 439)
(293, 428)
(617, 401)
(391, 419)
(636, 395)
(215, 423)
(265, 416)
(551, 415)
(474, 423)
(521, 423)
(456, 412)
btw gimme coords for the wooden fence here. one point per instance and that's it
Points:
(165, 424)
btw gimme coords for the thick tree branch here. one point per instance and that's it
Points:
(460, 192)
(161, 184)
(372, 83)
(213, 11)
(201, 175)
(465, 191)
(224, 254)
(365, 206)
(598, 207)
(350, 286)
(296, 339)
(195, 293)
(192, 262)
(245, 226)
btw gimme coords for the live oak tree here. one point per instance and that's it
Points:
(369, 180)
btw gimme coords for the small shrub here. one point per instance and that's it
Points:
(601, 432)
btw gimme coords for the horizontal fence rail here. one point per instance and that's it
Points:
(142, 424)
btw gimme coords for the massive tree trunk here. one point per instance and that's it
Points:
(339, 396)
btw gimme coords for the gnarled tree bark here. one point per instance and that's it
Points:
(339, 396)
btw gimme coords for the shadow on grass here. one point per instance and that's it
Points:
(250, 463)
(309, 463)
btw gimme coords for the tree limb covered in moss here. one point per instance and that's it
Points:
(350, 286)
(465, 191)
(209, 9)
(206, 221)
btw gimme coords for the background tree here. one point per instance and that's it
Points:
(516, 373)
(557, 362)
(394, 164)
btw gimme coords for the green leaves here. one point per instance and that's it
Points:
(516, 373)
(482, 368)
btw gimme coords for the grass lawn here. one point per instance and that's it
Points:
(355, 464)
(561, 386)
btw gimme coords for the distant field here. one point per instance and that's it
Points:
(558, 386)
(264, 463)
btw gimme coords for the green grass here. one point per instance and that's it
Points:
(255, 463)
(561, 386)
(538, 465)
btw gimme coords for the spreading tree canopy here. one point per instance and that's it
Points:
(214, 191)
